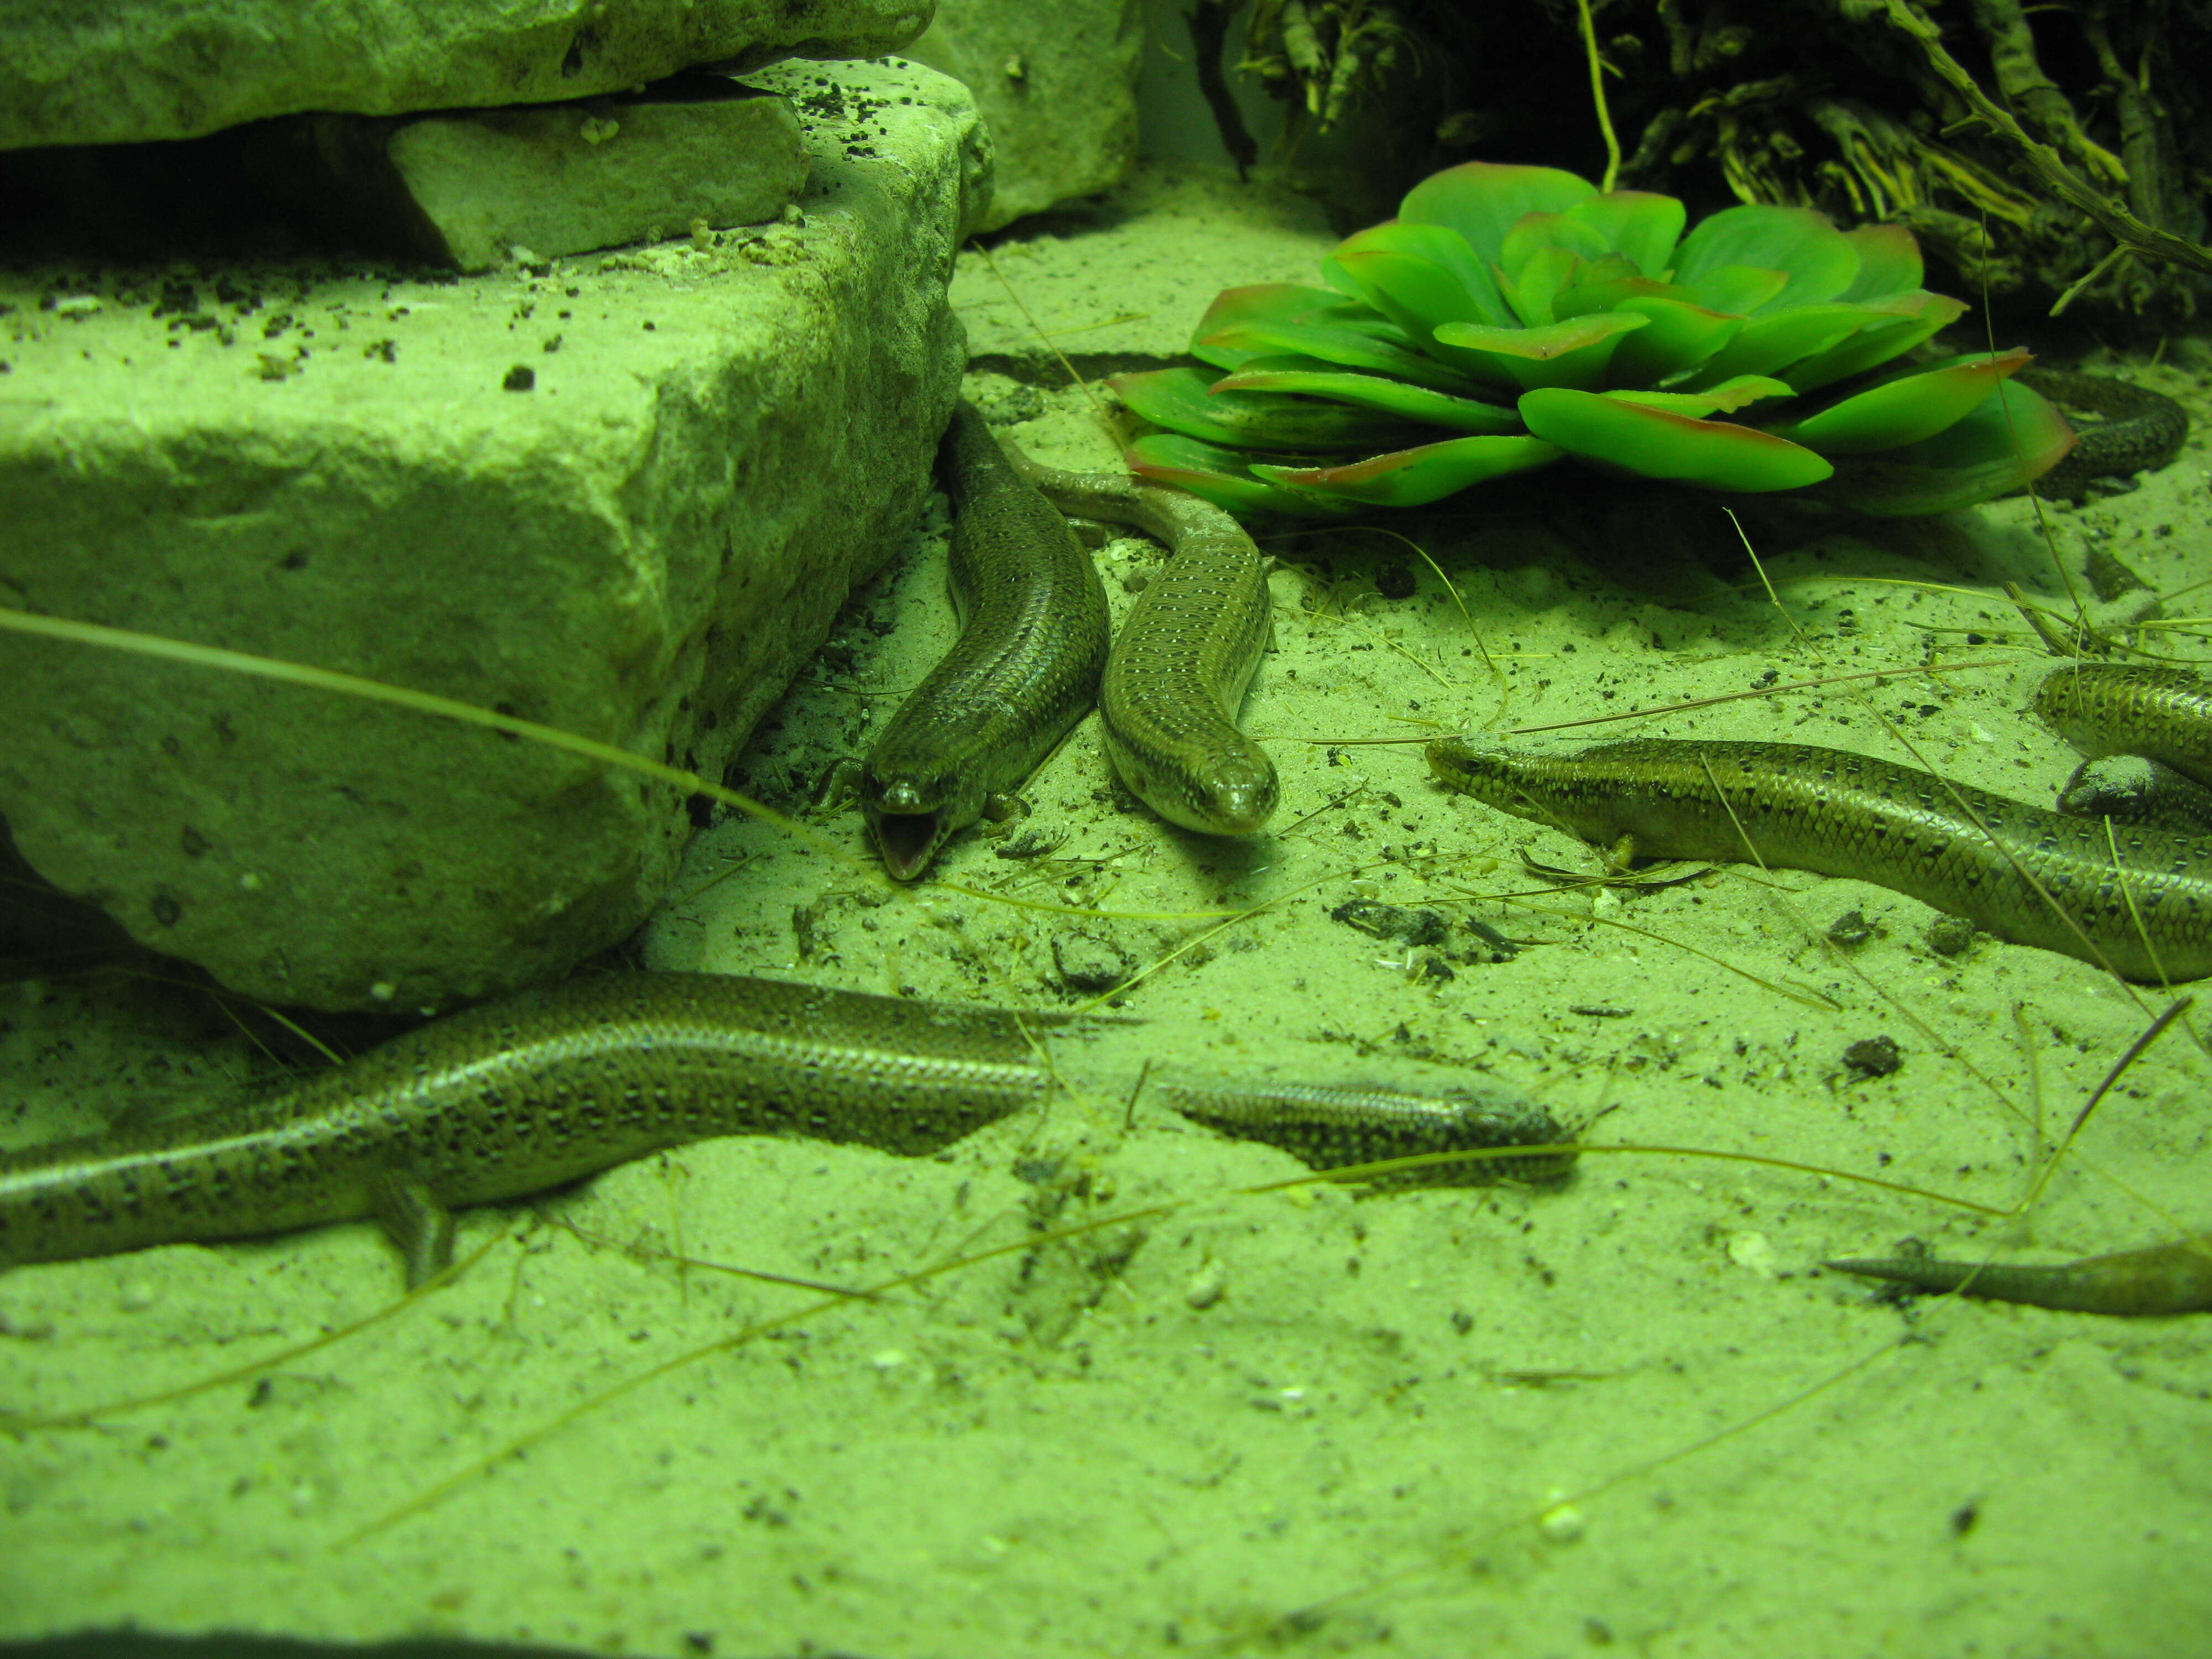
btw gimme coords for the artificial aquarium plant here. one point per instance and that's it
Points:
(1512, 317)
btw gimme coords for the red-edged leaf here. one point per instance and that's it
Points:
(1415, 478)
(1650, 442)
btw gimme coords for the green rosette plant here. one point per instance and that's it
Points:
(1510, 317)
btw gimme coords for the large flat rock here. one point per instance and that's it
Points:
(466, 187)
(623, 495)
(128, 71)
(1060, 99)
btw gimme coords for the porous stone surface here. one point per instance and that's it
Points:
(463, 189)
(1057, 86)
(621, 496)
(127, 71)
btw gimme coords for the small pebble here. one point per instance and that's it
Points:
(1086, 962)
(1206, 1286)
(1009, 403)
(1752, 1251)
(1872, 1057)
(1392, 922)
(1950, 936)
(1563, 1524)
(1850, 930)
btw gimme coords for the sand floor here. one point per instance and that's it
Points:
(1631, 1413)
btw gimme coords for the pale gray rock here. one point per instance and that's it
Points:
(624, 497)
(127, 71)
(1057, 85)
(464, 188)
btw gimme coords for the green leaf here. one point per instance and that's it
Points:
(1889, 263)
(1736, 290)
(1573, 353)
(1597, 289)
(1370, 392)
(1650, 442)
(1821, 261)
(1551, 235)
(1417, 275)
(1724, 399)
(1912, 318)
(2012, 436)
(1769, 343)
(1916, 403)
(1531, 291)
(1639, 224)
(1260, 302)
(1484, 200)
(1346, 346)
(1608, 268)
(2014, 421)
(1224, 478)
(1181, 400)
(1681, 338)
(1415, 478)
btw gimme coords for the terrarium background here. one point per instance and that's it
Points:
(1819, 103)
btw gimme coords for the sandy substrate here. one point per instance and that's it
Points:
(1632, 1413)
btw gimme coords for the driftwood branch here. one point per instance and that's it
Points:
(2021, 78)
(1209, 31)
(2115, 220)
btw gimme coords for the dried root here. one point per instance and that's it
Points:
(1871, 117)
(1321, 56)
